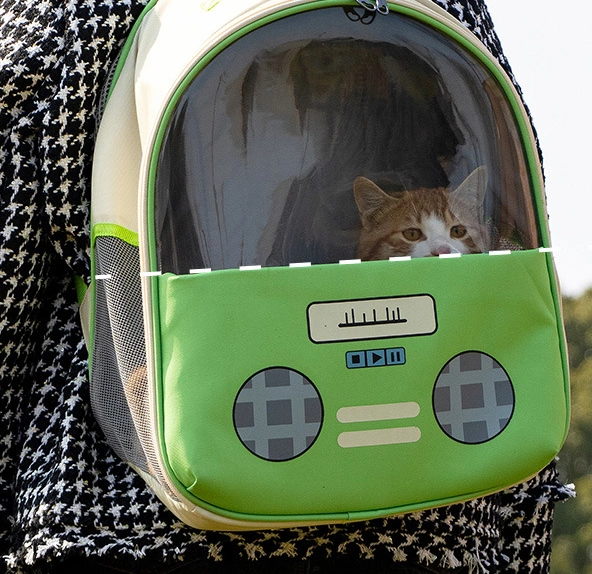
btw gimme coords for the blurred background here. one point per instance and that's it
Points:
(549, 47)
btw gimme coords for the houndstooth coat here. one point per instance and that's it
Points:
(62, 490)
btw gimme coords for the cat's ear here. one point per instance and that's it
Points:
(466, 203)
(370, 199)
(471, 192)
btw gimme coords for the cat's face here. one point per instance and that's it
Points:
(422, 222)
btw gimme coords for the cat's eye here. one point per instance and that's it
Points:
(412, 234)
(458, 231)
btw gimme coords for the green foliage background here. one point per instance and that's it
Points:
(572, 530)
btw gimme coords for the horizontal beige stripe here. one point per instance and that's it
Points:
(379, 437)
(367, 413)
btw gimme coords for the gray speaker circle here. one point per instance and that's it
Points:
(473, 398)
(278, 414)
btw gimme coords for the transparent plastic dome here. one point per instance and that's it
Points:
(258, 163)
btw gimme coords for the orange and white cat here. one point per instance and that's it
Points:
(423, 222)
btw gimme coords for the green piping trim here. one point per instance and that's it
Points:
(346, 516)
(114, 230)
(561, 334)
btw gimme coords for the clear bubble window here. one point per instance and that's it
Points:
(279, 150)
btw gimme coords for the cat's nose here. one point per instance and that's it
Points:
(441, 250)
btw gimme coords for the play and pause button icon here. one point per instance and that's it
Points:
(375, 358)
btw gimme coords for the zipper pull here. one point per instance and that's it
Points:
(367, 5)
(382, 7)
(379, 6)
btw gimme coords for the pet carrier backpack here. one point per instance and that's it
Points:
(244, 360)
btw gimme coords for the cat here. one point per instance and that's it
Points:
(423, 222)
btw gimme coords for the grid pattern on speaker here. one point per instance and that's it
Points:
(278, 414)
(473, 398)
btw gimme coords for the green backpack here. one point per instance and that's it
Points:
(268, 348)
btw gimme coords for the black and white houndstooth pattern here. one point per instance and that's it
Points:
(62, 490)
